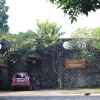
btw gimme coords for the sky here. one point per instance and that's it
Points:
(23, 16)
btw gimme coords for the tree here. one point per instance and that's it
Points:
(88, 34)
(75, 7)
(84, 33)
(47, 34)
(25, 40)
(29, 43)
(88, 40)
(91, 39)
(3, 17)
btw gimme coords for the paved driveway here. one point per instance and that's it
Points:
(77, 92)
(52, 95)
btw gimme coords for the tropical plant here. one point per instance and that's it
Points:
(47, 34)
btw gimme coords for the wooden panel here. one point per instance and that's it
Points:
(74, 63)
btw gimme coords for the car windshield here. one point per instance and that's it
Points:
(21, 75)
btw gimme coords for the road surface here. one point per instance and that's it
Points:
(52, 98)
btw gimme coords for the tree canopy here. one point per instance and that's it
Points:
(93, 33)
(28, 43)
(92, 36)
(47, 34)
(3, 17)
(75, 7)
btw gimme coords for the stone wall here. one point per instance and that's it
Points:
(78, 77)
(51, 73)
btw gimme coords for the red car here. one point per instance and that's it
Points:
(21, 80)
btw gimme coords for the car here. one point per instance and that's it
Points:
(21, 80)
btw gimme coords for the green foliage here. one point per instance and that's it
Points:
(25, 40)
(11, 39)
(8, 37)
(82, 33)
(87, 33)
(3, 17)
(88, 40)
(75, 7)
(83, 48)
(47, 34)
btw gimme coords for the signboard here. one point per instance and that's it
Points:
(74, 63)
